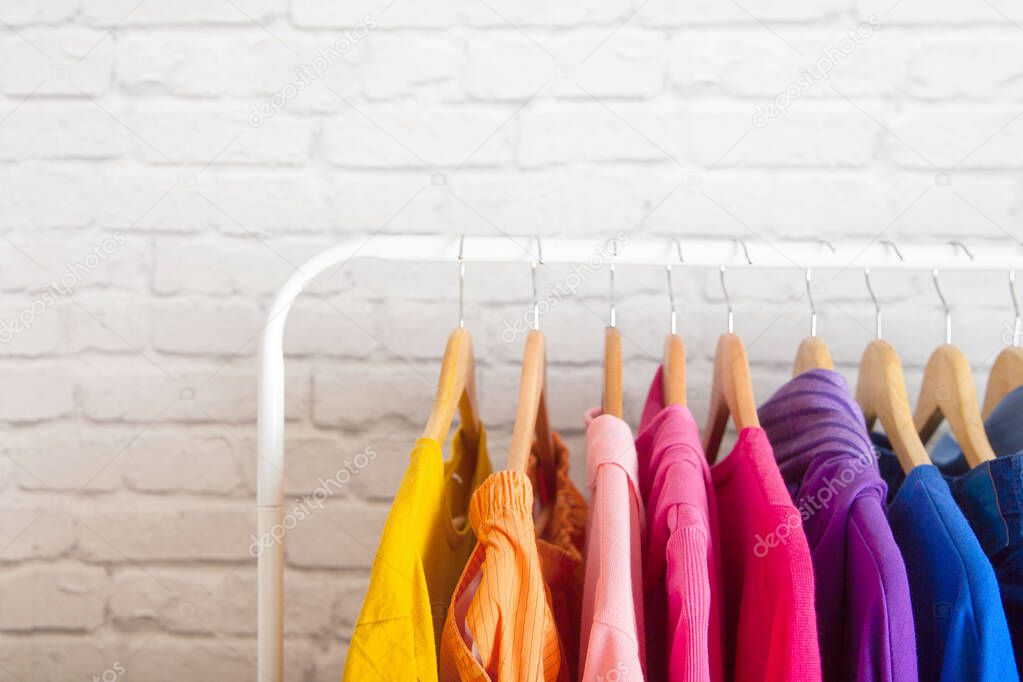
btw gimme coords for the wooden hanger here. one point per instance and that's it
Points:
(531, 419)
(456, 388)
(732, 389)
(673, 369)
(881, 393)
(612, 398)
(1006, 376)
(613, 401)
(1007, 372)
(948, 393)
(813, 353)
(673, 364)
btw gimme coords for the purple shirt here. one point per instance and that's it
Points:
(864, 613)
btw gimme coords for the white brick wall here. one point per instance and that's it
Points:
(128, 411)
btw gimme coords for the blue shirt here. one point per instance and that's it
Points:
(961, 630)
(991, 498)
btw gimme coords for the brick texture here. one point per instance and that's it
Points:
(165, 166)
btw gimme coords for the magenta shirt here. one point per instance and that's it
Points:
(682, 561)
(770, 622)
(612, 639)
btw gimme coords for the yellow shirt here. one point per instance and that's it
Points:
(424, 547)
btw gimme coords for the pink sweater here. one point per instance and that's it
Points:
(770, 622)
(682, 559)
(612, 643)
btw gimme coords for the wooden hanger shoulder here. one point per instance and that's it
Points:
(531, 419)
(613, 401)
(813, 353)
(948, 392)
(731, 393)
(673, 369)
(881, 393)
(1006, 376)
(456, 391)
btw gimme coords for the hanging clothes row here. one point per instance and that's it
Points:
(816, 549)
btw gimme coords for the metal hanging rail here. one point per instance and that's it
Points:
(503, 249)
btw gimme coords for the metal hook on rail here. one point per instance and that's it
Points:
(461, 282)
(671, 290)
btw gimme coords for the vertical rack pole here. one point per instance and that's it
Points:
(269, 545)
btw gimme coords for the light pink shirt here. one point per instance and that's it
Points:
(612, 645)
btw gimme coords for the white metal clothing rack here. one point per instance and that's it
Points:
(503, 249)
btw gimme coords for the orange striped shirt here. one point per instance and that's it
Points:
(515, 614)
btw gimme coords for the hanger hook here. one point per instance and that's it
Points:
(611, 265)
(724, 288)
(1017, 325)
(898, 252)
(877, 306)
(809, 291)
(745, 251)
(728, 300)
(878, 329)
(948, 310)
(813, 307)
(461, 282)
(671, 290)
(944, 305)
(536, 298)
(962, 246)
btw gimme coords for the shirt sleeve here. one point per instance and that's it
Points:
(687, 579)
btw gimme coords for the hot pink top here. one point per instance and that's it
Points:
(682, 560)
(612, 643)
(770, 622)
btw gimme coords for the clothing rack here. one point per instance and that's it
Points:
(702, 253)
